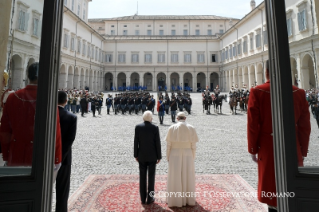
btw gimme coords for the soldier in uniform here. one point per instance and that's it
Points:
(150, 104)
(94, 105)
(144, 102)
(161, 109)
(153, 102)
(167, 103)
(84, 105)
(123, 103)
(117, 103)
(108, 103)
(217, 92)
(189, 102)
(130, 104)
(173, 105)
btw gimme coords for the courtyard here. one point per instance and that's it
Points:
(104, 144)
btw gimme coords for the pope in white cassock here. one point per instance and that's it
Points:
(181, 148)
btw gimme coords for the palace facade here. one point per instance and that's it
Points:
(153, 51)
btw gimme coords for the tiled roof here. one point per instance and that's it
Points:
(164, 17)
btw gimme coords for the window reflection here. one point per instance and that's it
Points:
(303, 34)
(20, 51)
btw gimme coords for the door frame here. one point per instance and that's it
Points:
(289, 178)
(34, 192)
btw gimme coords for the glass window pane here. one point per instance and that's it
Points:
(19, 84)
(304, 76)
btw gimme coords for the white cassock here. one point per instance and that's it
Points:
(181, 148)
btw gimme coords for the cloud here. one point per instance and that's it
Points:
(117, 8)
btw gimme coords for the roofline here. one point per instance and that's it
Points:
(66, 9)
(244, 18)
(117, 18)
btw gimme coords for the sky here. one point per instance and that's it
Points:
(118, 8)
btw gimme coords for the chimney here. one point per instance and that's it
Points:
(252, 4)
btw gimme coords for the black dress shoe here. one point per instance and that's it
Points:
(143, 203)
(151, 201)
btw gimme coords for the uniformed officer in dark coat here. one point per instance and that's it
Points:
(84, 105)
(173, 105)
(167, 103)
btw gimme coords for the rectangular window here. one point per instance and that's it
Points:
(96, 55)
(84, 15)
(302, 20)
(161, 58)
(265, 35)
(124, 32)
(209, 32)
(112, 32)
(84, 49)
(36, 27)
(221, 31)
(72, 44)
(89, 51)
(187, 58)
(185, 32)
(92, 56)
(226, 54)
(148, 58)
(149, 32)
(137, 32)
(289, 26)
(66, 41)
(66, 2)
(231, 52)
(112, 26)
(135, 58)
(222, 56)
(173, 32)
(72, 5)
(79, 47)
(234, 50)
(239, 48)
(174, 58)
(79, 10)
(23, 21)
(161, 32)
(108, 58)
(121, 58)
(197, 32)
(258, 40)
(125, 25)
(251, 42)
(214, 58)
(201, 58)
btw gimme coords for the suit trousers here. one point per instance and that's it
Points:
(144, 167)
(63, 188)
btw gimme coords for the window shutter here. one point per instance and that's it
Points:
(19, 20)
(216, 58)
(304, 19)
(26, 23)
(299, 22)
(39, 28)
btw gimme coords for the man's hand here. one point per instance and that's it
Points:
(158, 161)
(136, 159)
(254, 158)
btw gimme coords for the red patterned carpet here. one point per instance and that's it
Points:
(121, 193)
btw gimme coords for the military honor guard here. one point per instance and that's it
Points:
(161, 109)
(173, 106)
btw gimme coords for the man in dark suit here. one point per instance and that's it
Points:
(68, 122)
(147, 151)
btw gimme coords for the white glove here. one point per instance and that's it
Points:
(254, 158)
(5, 163)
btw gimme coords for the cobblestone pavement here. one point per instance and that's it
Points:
(104, 144)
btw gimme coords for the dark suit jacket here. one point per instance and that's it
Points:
(147, 144)
(68, 122)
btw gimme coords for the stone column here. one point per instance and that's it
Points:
(299, 71)
(168, 82)
(181, 80)
(154, 82)
(141, 79)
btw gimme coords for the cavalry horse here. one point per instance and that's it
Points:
(233, 101)
(207, 102)
(218, 103)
